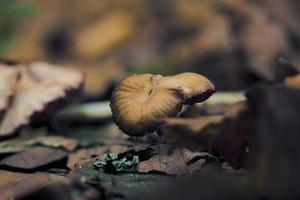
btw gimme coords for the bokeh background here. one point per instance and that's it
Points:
(235, 43)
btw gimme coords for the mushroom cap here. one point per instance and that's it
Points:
(195, 87)
(139, 102)
(39, 84)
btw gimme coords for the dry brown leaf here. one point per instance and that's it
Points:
(213, 30)
(201, 132)
(21, 143)
(262, 37)
(82, 156)
(86, 155)
(195, 134)
(14, 185)
(213, 37)
(33, 158)
(58, 141)
(170, 161)
(104, 35)
(39, 85)
(8, 79)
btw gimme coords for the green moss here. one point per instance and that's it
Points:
(113, 163)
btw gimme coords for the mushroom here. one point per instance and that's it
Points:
(40, 85)
(139, 102)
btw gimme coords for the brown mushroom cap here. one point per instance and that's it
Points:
(195, 87)
(140, 101)
(39, 84)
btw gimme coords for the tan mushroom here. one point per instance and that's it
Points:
(140, 101)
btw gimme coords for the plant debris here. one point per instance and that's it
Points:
(174, 161)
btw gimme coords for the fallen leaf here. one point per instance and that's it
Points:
(33, 158)
(171, 161)
(40, 84)
(226, 134)
(37, 138)
(261, 48)
(18, 144)
(197, 133)
(14, 185)
(102, 36)
(8, 79)
(58, 141)
(82, 156)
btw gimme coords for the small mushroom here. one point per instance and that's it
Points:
(39, 86)
(139, 102)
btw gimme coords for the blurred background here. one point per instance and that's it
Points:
(234, 43)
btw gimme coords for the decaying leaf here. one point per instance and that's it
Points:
(34, 158)
(8, 78)
(197, 133)
(261, 48)
(40, 85)
(82, 156)
(38, 138)
(172, 161)
(14, 185)
(226, 134)
(57, 142)
(104, 35)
